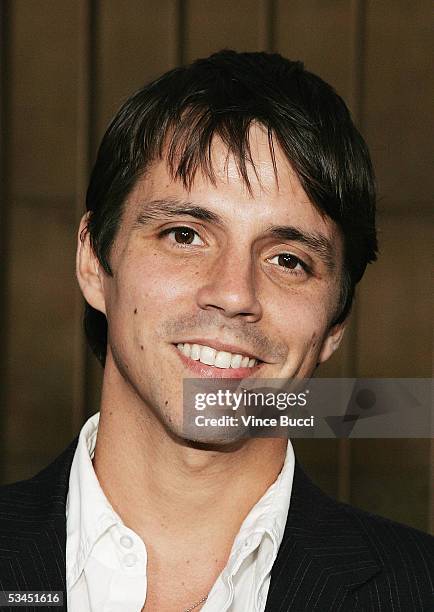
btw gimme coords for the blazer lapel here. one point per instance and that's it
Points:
(33, 529)
(323, 555)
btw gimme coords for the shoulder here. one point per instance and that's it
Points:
(394, 543)
(406, 558)
(386, 537)
(41, 497)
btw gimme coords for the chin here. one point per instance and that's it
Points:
(216, 443)
(209, 438)
(217, 436)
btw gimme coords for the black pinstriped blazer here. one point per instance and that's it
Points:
(333, 557)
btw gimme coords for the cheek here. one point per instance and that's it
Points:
(300, 316)
(169, 281)
(155, 285)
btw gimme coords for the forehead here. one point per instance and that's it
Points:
(272, 194)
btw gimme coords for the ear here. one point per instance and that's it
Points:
(88, 269)
(332, 341)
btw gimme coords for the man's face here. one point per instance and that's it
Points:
(249, 282)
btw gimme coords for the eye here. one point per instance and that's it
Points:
(290, 262)
(184, 236)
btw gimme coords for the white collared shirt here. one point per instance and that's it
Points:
(106, 561)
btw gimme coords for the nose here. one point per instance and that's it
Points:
(230, 288)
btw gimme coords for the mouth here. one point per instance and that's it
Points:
(217, 361)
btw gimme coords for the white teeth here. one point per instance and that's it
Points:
(207, 355)
(236, 361)
(218, 359)
(223, 360)
(195, 352)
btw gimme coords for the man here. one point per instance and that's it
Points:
(230, 214)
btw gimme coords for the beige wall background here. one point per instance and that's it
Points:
(66, 66)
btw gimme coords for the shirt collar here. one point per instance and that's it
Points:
(267, 518)
(88, 511)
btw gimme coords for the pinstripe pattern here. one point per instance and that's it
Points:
(333, 558)
(33, 531)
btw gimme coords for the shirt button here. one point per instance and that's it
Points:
(130, 559)
(126, 541)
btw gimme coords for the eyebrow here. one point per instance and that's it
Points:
(156, 209)
(316, 242)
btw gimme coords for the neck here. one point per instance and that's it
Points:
(159, 485)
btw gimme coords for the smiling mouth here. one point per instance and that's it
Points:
(210, 356)
(207, 362)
